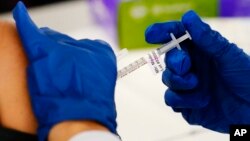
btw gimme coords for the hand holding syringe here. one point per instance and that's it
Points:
(153, 58)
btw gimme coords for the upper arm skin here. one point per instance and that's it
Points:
(15, 107)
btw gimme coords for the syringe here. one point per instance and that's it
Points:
(153, 58)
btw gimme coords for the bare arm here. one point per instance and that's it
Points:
(15, 107)
(65, 130)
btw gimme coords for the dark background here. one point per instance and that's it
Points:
(8, 5)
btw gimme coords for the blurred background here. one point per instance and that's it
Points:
(142, 113)
(7, 5)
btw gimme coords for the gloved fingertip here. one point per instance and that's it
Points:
(148, 34)
(25, 26)
(159, 33)
(190, 17)
(196, 27)
(18, 8)
(20, 13)
(192, 81)
(103, 42)
(185, 100)
(178, 61)
(181, 83)
(171, 100)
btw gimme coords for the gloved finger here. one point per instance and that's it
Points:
(57, 36)
(102, 42)
(176, 82)
(100, 47)
(159, 33)
(178, 61)
(203, 36)
(232, 62)
(186, 99)
(97, 45)
(177, 110)
(28, 31)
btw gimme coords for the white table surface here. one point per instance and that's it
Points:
(142, 114)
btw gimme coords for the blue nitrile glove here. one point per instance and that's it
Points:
(209, 80)
(68, 79)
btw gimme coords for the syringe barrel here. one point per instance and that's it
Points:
(166, 47)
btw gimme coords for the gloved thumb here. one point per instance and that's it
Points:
(232, 63)
(206, 39)
(28, 31)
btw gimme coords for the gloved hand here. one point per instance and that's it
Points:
(209, 80)
(68, 79)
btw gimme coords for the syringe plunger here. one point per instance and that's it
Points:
(174, 43)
